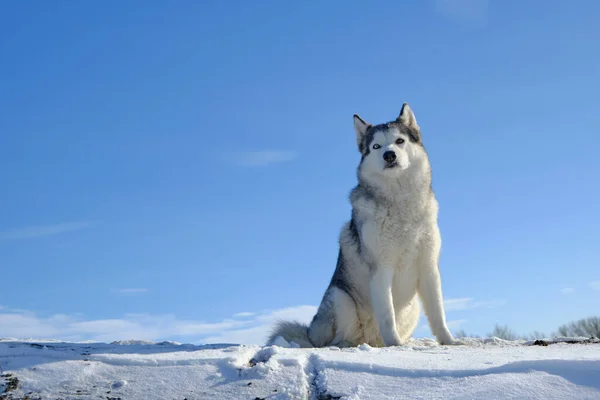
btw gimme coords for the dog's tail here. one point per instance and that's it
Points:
(291, 332)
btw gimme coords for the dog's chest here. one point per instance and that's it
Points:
(393, 233)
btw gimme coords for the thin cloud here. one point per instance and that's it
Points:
(567, 290)
(467, 303)
(241, 328)
(43, 230)
(457, 304)
(131, 290)
(258, 330)
(251, 330)
(243, 314)
(456, 323)
(424, 325)
(470, 12)
(264, 157)
(595, 285)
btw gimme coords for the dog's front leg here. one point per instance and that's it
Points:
(383, 305)
(430, 291)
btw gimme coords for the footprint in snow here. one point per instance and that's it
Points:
(118, 384)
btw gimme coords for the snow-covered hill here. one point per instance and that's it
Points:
(483, 369)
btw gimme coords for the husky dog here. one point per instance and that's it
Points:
(389, 249)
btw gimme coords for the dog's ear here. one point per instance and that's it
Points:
(407, 117)
(360, 126)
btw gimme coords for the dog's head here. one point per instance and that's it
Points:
(392, 147)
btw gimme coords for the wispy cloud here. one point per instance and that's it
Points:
(243, 327)
(595, 285)
(243, 314)
(456, 323)
(457, 304)
(264, 157)
(424, 325)
(567, 290)
(471, 12)
(258, 328)
(44, 230)
(131, 290)
(248, 329)
(467, 303)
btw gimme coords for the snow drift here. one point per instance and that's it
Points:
(483, 369)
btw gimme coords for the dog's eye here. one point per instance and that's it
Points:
(376, 146)
(399, 141)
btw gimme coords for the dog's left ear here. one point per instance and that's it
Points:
(407, 117)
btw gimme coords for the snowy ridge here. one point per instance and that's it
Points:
(490, 368)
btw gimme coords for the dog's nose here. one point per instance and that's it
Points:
(389, 156)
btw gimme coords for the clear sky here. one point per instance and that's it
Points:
(181, 171)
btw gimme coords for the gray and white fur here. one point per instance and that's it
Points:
(389, 249)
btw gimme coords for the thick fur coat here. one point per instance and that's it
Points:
(389, 250)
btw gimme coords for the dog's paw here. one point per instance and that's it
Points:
(393, 343)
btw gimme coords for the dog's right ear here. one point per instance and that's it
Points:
(360, 126)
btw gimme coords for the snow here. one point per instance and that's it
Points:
(422, 369)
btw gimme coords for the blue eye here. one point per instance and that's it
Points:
(376, 146)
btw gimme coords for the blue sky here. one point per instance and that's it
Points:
(181, 171)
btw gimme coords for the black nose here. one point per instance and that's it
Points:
(389, 156)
